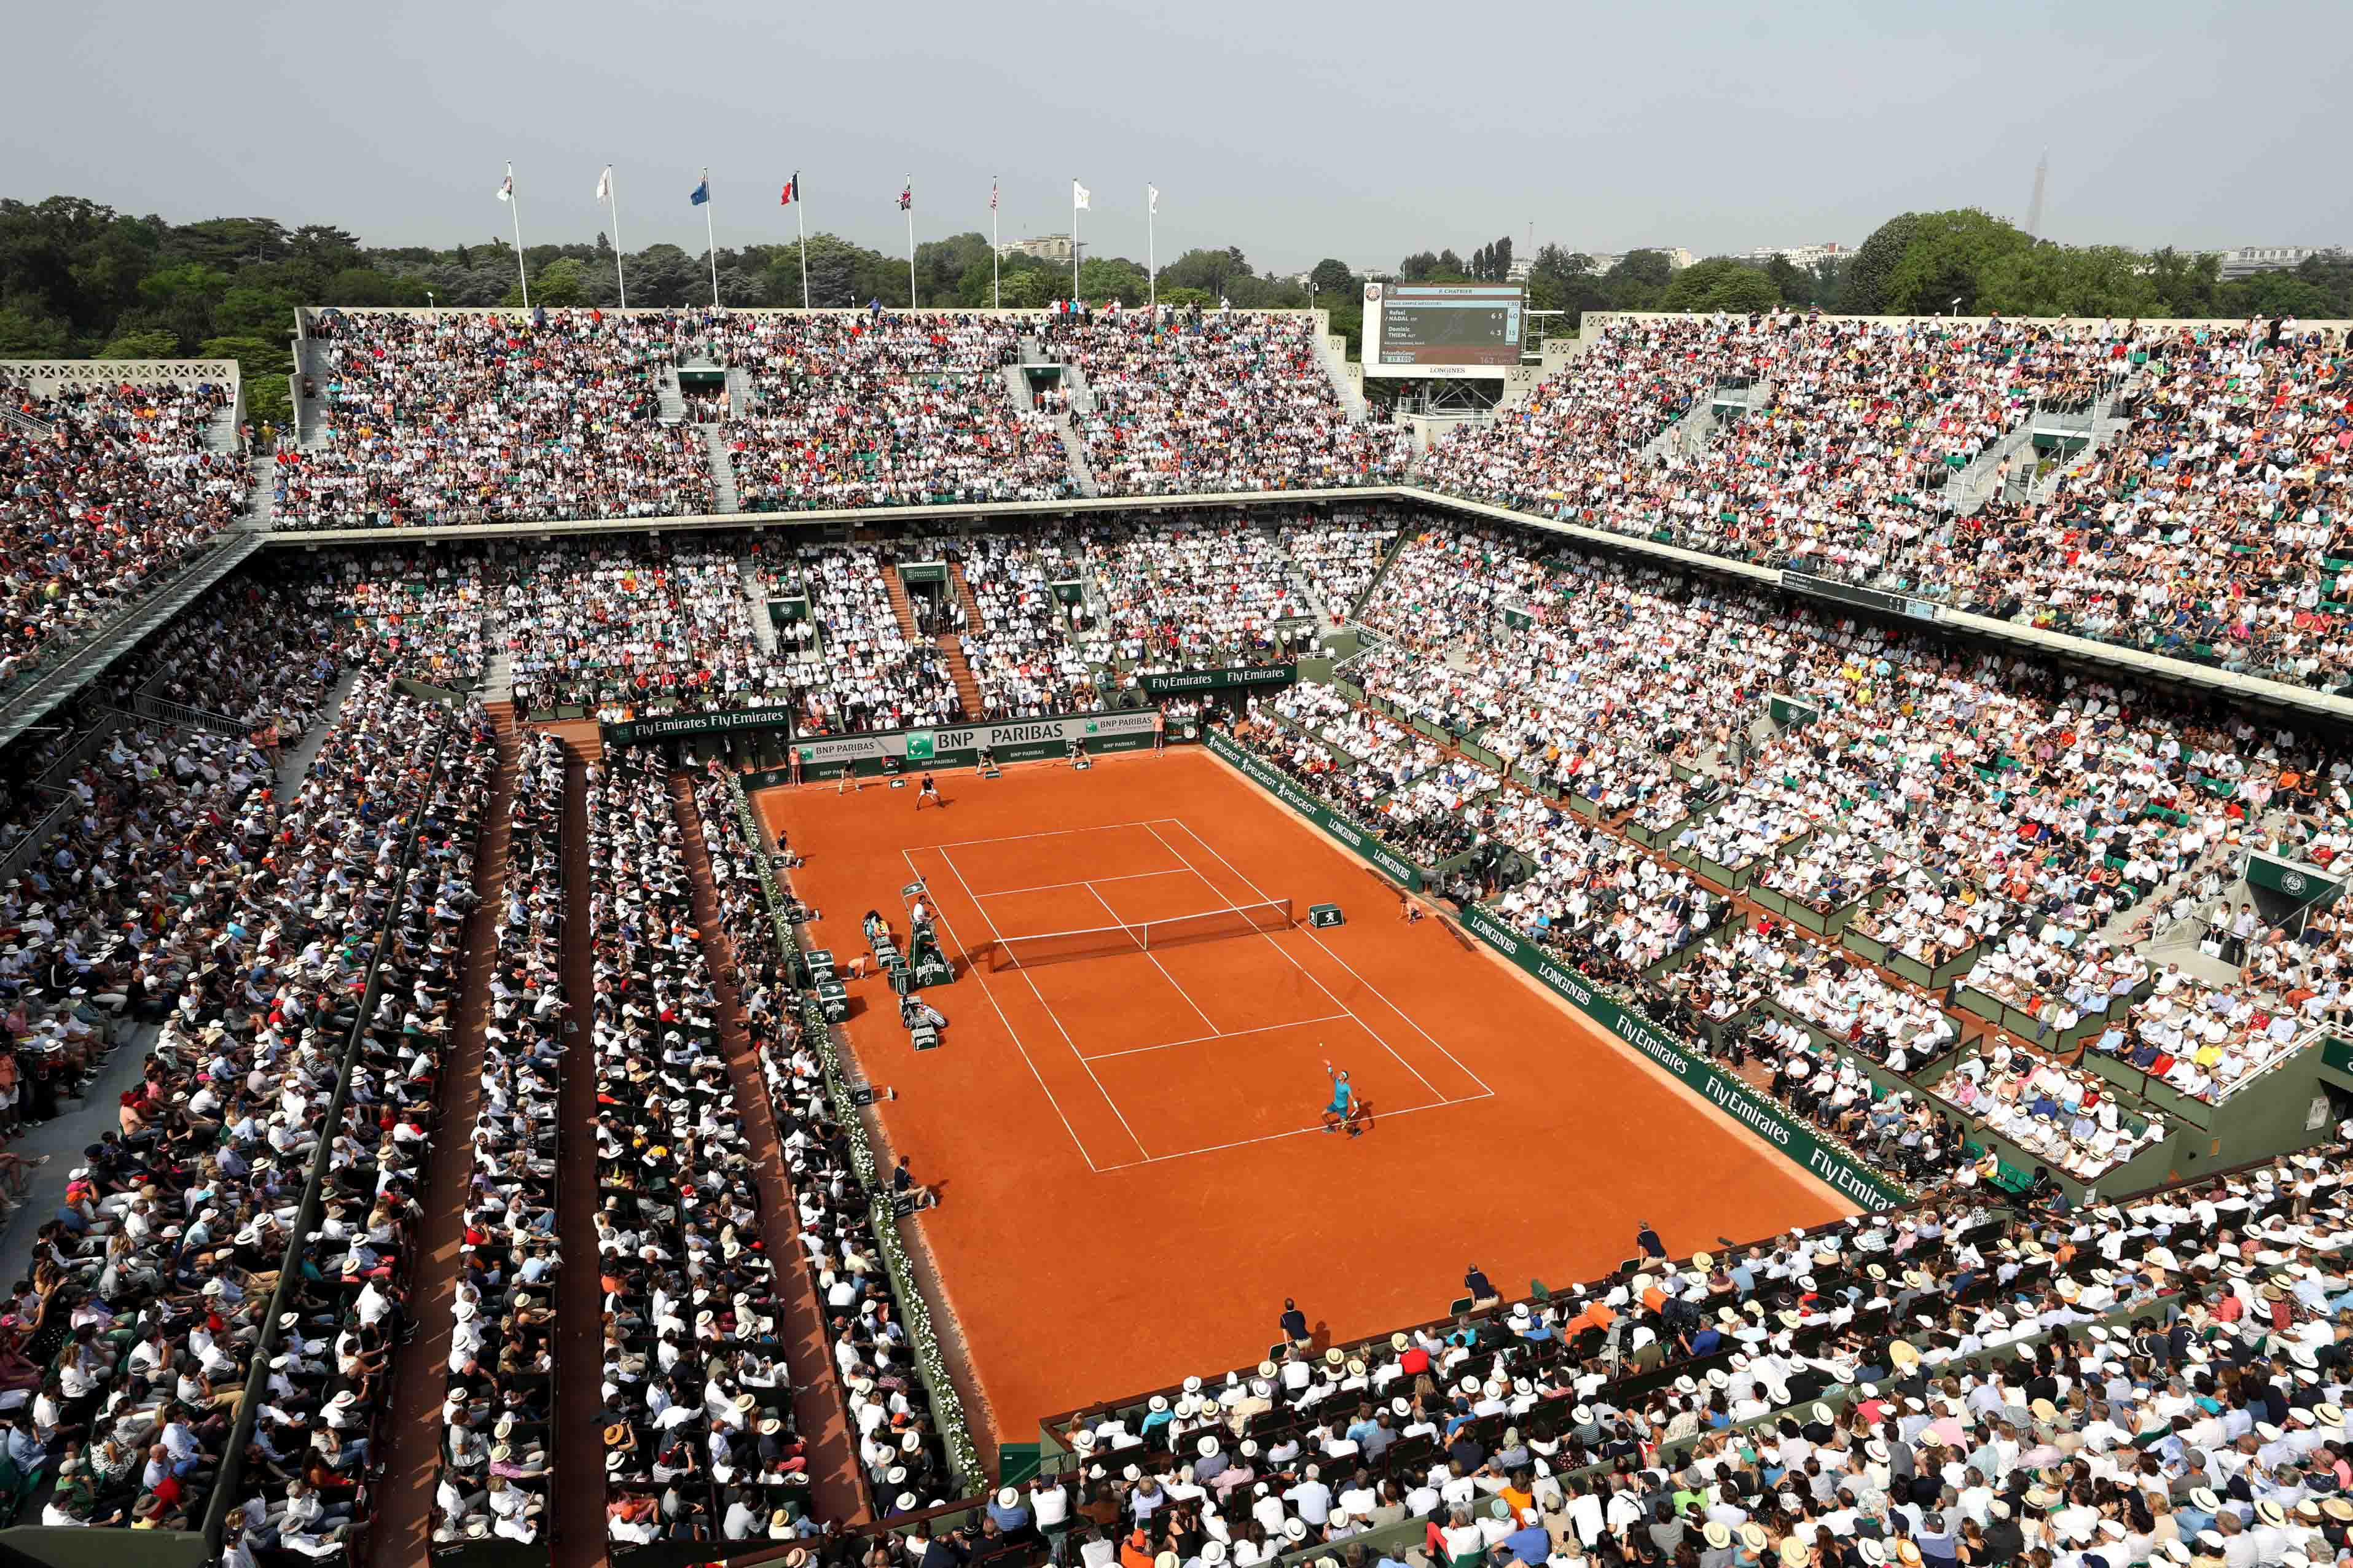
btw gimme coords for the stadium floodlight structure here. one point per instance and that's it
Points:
(1028, 951)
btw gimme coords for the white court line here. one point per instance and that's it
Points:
(1425, 1034)
(1207, 1021)
(1294, 1133)
(994, 935)
(1227, 1034)
(1048, 833)
(1011, 1033)
(1298, 966)
(1088, 882)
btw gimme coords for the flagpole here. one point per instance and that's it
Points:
(613, 199)
(910, 188)
(1074, 242)
(514, 203)
(1151, 263)
(995, 302)
(800, 211)
(711, 239)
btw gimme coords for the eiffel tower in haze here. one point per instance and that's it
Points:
(2034, 208)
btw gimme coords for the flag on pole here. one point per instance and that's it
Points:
(992, 196)
(506, 188)
(605, 184)
(1152, 198)
(792, 189)
(702, 193)
(1078, 194)
(907, 196)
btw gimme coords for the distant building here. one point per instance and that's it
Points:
(1800, 256)
(1521, 266)
(1677, 257)
(2249, 259)
(1045, 247)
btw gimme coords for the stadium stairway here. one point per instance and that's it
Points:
(963, 591)
(1074, 382)
(722, 469)
(1077, 451)
(898, 604)
(261, 507)
(951, 649)
(310, 363)
(294, 764)
(1397, 547)
(764, 629)
(221, 435)
(819, 1410)
(1333, 351)
(739, 398)
(1974, 485)
(412, 1455)
(576, 1425)
(673, 401)
(1016, 382)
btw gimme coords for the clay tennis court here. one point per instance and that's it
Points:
(1125, 1124)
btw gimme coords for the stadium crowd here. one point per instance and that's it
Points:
(432, 418)
(2159, 1381)
(104, 490)
(864, 409)
(900, 1447)
(499, 1396)
(1215, 402)
(697, 1404)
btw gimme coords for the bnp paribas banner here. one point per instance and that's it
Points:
(1761, 1117)
(1011, 741)
(1386, 860)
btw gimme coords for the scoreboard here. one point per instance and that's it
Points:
(1455, 330)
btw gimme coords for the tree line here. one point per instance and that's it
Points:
(79, 280)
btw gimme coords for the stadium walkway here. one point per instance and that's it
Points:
(413, 1452)
(578, 1540)
(835, 1494)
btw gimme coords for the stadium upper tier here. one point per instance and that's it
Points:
(2174, 487)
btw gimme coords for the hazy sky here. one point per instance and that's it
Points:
(1360, 132)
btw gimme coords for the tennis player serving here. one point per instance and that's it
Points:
(1342, 1111)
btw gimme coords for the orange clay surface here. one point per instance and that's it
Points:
(1128, 1146)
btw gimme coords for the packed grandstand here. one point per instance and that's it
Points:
(372, 958)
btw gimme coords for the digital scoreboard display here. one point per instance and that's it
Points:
(1443, 329)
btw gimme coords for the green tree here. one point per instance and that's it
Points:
(1033, 287)
(1947, 260)
(1102, 278)
(1636, 281)
(141, 345)
(1450, 265)
(1418, 268)
(2063, 281)
(1333, 278)
(1793, 285)
(1874, 261)
(264, 365)
(1720, 283)
(27, 334)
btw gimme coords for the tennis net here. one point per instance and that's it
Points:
(1144, 936)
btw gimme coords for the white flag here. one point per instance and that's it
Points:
(605, 184)
(1078, 194)
(506, 187)
(1152, 198)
